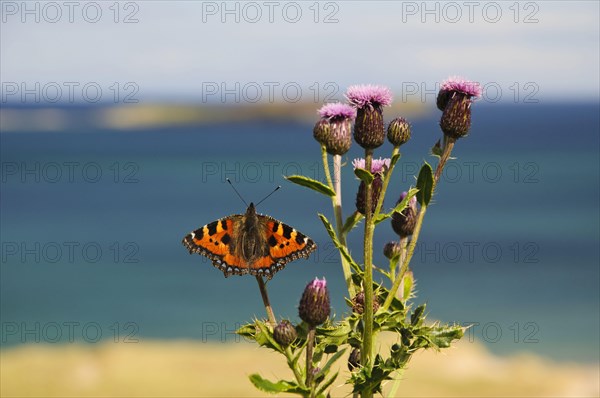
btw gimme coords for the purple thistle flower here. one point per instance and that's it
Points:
(404, 223)
(285, 333)
(377, 165)
(458, 84)
(369, 95)
(454, 99)
(314, 307)
(334, 130)
(398, 131)
(337, 110)
(411, 202)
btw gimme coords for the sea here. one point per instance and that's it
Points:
(92, 222)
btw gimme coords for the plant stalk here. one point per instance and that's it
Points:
(326, 166)
(262, 286)
(404, 266)
(310, 345)
(448, 146)
(265, 297)
(339, 220)
(367, 349)
(386, 180)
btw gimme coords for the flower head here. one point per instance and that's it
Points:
(337, 110)
(335, 127)
(358, 303)
(458, 84)
(377, 165)
(285, 333)
(398, 131)
(456, 119)
(404, 223)
(314, 306)
(369, 100)
(368, 95)
(392, 249)
(354, 359)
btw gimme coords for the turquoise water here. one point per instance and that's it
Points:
(92, 224)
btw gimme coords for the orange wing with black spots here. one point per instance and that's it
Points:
(249, 244)
(285, 244)
(214, 241)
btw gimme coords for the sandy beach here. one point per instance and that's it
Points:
(185, 369)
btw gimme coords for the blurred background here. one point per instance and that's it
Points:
(120, 122)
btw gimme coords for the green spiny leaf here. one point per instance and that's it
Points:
(394, 160)
(399, 207)
(329, 363)
(248, 331)
(326, 384)
(352, 221)
(425, 185)
(408, 284)
(343, 250)
(279, 387)
(312, 184)
(436, 150)
(264, 337)
(442, 336)
(416, 319)
(364, 175)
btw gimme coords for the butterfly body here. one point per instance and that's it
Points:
(249, 243)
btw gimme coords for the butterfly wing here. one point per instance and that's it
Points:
(216, 241)
(284, 244)
(222, 242)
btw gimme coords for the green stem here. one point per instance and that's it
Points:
(448, 146)
(326, 166)
(396, 384)
(386, 180)
(310, 344)
(339, 220)
(403, 252)
(262, 286)
(409, 254)
(265, 297)
(336, 202)
(367, 349)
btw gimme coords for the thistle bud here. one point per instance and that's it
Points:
(392, 250)
(285, 333)
(361, 195)
(334, 128)
(442, 99)
(369, 100)
(315, 372)
(358, 303)
(398, 132)
(456, 119)
(454, 99)
(321, 131)
(378, 167)
(456, 85)
(354, 359)
(404, 223)
(314, 306)
(369, 131)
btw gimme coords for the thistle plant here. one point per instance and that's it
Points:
(381, 300)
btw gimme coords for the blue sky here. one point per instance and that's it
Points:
(196, 51)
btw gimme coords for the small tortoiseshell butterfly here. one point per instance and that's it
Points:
(249, 243)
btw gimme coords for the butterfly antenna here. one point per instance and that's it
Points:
(236, 191)
(265, 198)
